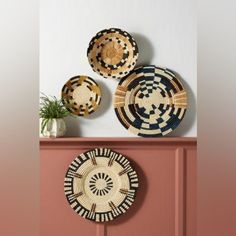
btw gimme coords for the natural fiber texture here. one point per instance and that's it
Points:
(81, 95)
(150, 101)
(112, 53)
(100, 184)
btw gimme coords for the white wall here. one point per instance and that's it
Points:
(165, 31)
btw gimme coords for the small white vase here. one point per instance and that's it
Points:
(54, 128)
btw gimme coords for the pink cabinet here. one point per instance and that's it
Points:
(166, 199)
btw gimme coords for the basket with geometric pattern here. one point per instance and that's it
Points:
(100, 184)
(112, 53)
(151, 101)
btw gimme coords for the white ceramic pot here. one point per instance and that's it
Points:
(53, 128)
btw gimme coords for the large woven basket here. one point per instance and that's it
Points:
(100, 184)
(151, 101)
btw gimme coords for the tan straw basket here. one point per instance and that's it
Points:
(100, 184)
(150, 101)
(112, 53)
(81, 95)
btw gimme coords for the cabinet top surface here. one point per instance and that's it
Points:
(117, 140)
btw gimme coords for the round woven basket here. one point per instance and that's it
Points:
(150, 102)
(100, 184)
(112, 53)
(81, 95)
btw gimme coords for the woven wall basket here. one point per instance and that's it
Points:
(81, 95)
(100, 184)
(150, 102)
(112, 53)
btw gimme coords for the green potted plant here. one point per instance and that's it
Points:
(51, 114)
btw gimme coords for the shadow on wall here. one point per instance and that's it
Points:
(139, 199)
(106, 102)
(191, 112)
(72, 126)
(146, 49)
